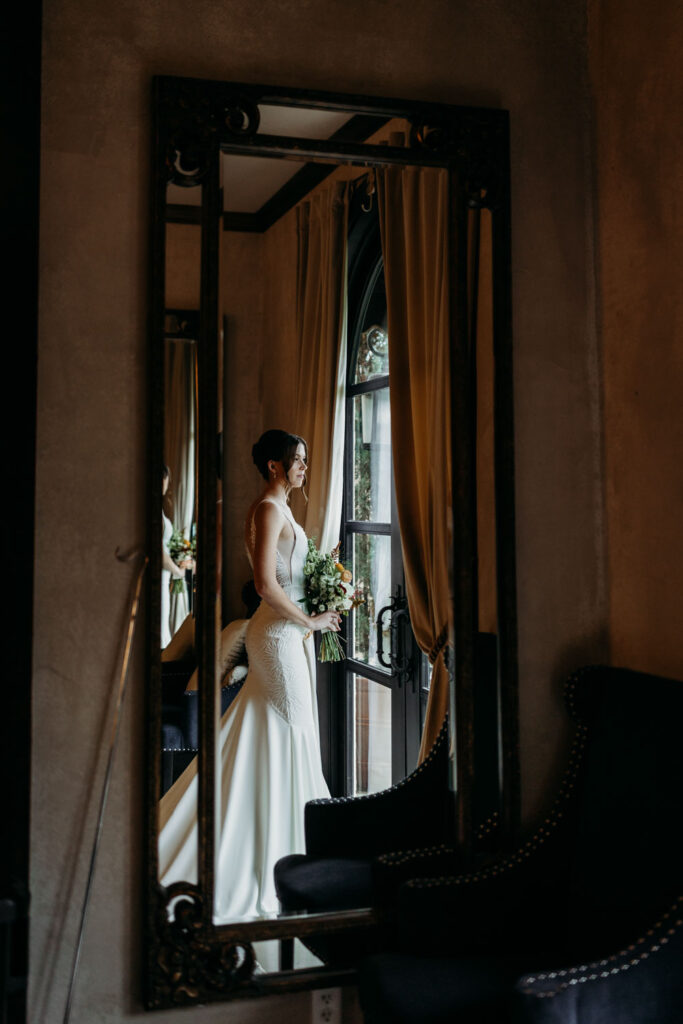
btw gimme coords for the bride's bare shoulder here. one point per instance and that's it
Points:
(263, 510)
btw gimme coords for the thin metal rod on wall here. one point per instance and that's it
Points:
(113, 743)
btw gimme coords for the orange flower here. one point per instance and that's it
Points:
(346, 576)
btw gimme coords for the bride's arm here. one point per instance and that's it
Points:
(168, 563)
(268, 522)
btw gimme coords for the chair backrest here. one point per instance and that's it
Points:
(415, 812)
(627, 863)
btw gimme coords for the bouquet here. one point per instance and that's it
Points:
(180, 549)
(328, 587)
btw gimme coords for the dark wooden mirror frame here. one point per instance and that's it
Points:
(190, 959)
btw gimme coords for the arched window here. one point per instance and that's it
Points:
(386, 677)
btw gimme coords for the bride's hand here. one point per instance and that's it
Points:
(326, 620)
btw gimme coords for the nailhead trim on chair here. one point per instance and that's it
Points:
(397, 857)
(403, 856)
(556, 813)
(654, 938)
(442, 737)
(488, 826)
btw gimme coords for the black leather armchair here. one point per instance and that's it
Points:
(177, 748)
(583, 924)
(345, 837)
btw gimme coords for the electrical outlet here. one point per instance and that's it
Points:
(326, 1006)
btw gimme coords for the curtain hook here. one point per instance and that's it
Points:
(370, 191)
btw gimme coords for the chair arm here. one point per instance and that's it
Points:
(531, 880)
(640, 984)
(415, 811)
(175, 675)
(484, 913)
(392, 870)
(520, 899)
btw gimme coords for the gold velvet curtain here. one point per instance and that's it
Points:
(179, 429)
(322, 222)
(413, 208)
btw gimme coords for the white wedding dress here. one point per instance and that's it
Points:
(270, 763)
(166, 584)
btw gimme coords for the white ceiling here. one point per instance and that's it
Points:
(249, 181)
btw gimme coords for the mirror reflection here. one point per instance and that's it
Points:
(335, 429)
(179, 513)
(179, 739)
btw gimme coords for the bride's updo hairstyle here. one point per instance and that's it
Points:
(279, 446)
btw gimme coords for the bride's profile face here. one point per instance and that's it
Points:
(297, 471)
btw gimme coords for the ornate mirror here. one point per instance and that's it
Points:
(337, 266)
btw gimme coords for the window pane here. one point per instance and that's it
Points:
(372, 735)
(372, 574)
(372, 457)
(427, 673)
(372, 359)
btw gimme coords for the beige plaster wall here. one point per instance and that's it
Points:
(261, 345)
(638, 88)
(91, 481)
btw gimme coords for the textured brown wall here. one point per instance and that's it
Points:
(183, 260)
(91, 483)
(638, 88)
(243, 303)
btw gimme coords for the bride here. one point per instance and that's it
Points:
(270, 763)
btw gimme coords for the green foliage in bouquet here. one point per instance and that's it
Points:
(180, 549)
(328, 587)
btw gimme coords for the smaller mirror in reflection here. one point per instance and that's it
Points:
(178, 560)
(179, 738)
(179, 512)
